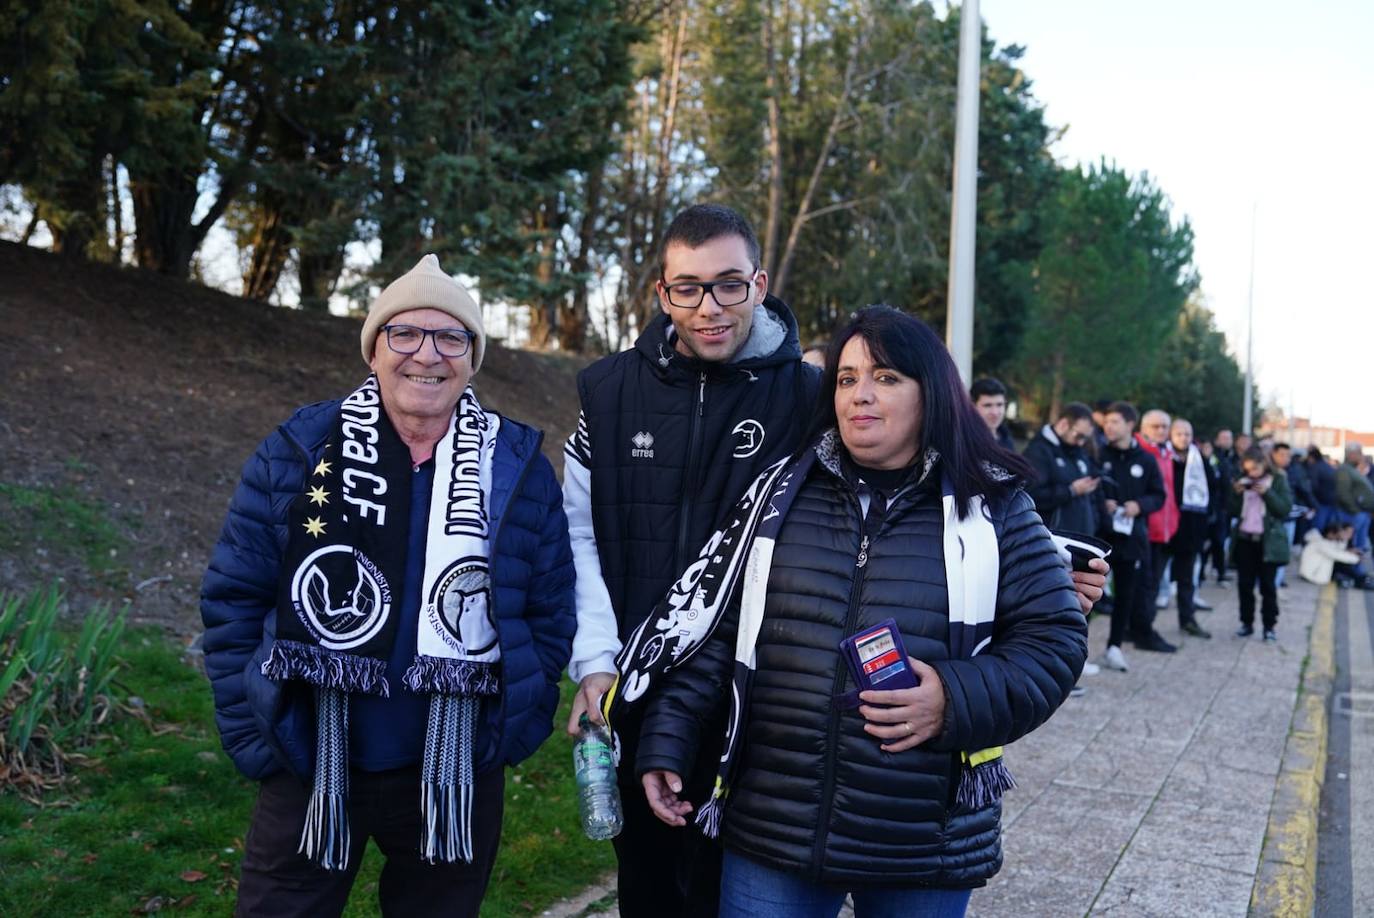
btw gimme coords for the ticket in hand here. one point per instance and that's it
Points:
(877, 658)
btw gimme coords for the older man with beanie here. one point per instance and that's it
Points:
(388, 611)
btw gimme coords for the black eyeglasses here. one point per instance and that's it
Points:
(408, 339)
(730, 292)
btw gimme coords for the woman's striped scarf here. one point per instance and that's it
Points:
(739, 556)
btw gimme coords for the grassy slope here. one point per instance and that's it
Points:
(158, 818)
(131, 401)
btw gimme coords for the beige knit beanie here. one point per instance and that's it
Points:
(425, 286)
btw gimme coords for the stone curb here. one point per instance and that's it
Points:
(1286, 882)
(591, 901)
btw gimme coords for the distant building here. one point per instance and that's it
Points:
(1301, 433)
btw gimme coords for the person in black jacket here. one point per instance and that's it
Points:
(1133, 489)
(902, 507)
(670, 434)
(1304, 501)
(1065, 487)
(1224, 461)
(1321, 478)
(990, 398)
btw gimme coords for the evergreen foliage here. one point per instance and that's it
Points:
(542, 146)
(1112, 281)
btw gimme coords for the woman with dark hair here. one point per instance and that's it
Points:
(884, 610)
(1260, 502)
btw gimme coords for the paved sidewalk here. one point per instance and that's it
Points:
(1151, 794)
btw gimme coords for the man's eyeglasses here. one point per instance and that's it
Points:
(729, 292)
(407, 339)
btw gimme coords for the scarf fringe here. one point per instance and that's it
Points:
(446, 781)
(441, 676)
(447, 814)
(317, 666)
(325, 839)
(709, 817)
(983, 785)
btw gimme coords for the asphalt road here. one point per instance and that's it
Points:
(1345, 860)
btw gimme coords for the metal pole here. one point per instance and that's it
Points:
(1250, 332)
(963, 213)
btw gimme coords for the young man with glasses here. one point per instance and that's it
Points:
(671, 432)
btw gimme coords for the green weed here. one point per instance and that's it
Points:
(55, 687)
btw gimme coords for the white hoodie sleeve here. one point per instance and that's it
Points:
(597, 641)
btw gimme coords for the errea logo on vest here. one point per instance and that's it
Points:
(643, 443)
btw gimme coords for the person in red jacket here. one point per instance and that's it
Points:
(1163, 523)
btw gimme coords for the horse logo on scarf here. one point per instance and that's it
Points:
(340, 596)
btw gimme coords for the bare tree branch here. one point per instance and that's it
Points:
(779, 283)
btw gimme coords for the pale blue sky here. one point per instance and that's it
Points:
(1228, 105)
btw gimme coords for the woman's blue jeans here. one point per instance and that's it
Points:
(750, 890)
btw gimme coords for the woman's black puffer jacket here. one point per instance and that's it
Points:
(814, 793)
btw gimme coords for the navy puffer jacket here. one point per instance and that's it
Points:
(267, 726)
(815, 795)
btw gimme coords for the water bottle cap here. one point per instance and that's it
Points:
(583, 722)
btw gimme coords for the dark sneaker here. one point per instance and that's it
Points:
(1245, 630)
(1201, 605)
(1270, 637)
(1154, 642)
(1196, 630)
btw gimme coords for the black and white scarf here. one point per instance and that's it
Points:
(1196, 496)
(739, 556)
(336, 620)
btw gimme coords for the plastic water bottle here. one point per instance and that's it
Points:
(598, 797)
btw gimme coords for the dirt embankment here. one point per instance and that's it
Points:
(139, 397)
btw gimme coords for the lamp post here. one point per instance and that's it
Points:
(963, 213)
(1250, 332)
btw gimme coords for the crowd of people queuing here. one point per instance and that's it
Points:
(1177, 507)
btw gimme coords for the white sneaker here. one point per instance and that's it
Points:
(1115, 659)
(1162, 602)
(1091, 669)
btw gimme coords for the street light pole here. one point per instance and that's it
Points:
(963, 213)
(1250, 332)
